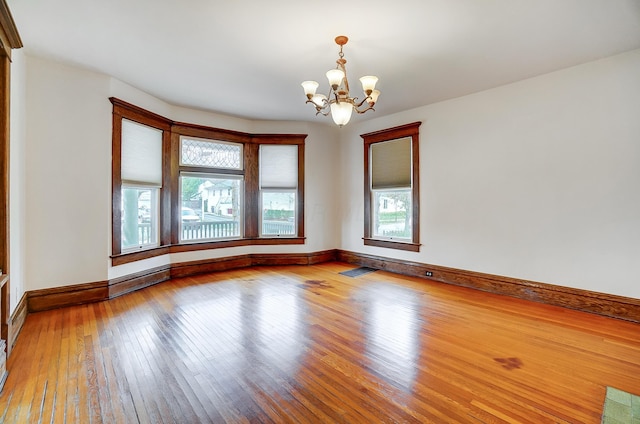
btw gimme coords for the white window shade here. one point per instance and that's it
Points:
(391, 164)
(278, 166)
(141, 154)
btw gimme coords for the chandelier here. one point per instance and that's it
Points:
(338, 102)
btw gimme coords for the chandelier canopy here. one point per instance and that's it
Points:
(338, 102)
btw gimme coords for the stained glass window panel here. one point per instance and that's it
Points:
(210, 154)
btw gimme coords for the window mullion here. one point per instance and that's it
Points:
(252, 191)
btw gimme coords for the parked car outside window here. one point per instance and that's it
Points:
(189, 215)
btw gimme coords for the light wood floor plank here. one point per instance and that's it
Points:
(305, 344)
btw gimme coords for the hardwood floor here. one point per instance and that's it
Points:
(305, 344)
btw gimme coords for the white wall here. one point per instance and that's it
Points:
(535, 180)
(68, 156)
(66, 177)
(17, 178)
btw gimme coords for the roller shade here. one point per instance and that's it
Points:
(278, 166)
(141, 154)
(391, 164)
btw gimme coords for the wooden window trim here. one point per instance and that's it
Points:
(169, 200)
(123, 110)
(9, 40)
(408, 130)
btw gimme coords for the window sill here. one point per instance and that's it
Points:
(129, 257)
(411, 247)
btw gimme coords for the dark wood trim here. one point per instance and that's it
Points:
(278, 138)
(201, 131)
(137, 281)
(293, 258)
(5, 106)
(126, 258)
(323, 256)
(5, 306)
(45, 299)
(186, 269)
(169, 187)
(5, 291)
(116, 183)
(583, 300)
(41, 300)
(171, 210)
(9, 36)
(170, 203)
(190, 247)
(140, 115)
(16, 322)
(124, 110)
(273, 241)
(411, 247)
(300, 193)
(407, 130)
(251, 190)
(9, 40)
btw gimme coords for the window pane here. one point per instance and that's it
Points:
(211, 207)
(139, 218)
(392, 214)
(278, 213)
(211, 154)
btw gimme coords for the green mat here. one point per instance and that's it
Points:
(621, 407)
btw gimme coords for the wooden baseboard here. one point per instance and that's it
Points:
(16, 322)
(137, 281)
(186, 269)
(42, 300)
(58, 297)
(583, 300)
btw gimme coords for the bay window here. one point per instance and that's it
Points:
(179, 187)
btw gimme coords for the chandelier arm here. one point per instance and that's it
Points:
(320, 109)
(362, 102)
(364, 110)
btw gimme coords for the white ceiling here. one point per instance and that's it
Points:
(247, 57)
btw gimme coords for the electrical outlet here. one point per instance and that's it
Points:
(429, 274)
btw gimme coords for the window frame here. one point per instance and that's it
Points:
(409, 130)
(268, 189)
(170, 202)
(123, 110)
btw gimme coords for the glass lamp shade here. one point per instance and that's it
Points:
(368, 82)
(310, 88)
(341, 113)
(374, 96)
(319, 99)
(335, 77)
